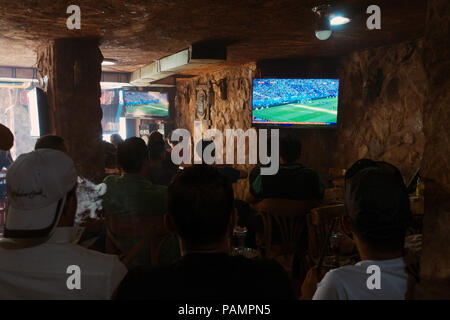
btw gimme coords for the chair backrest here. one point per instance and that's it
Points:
(319, 221)
(290, 217)
(143, 229)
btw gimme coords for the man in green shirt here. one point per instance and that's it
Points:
(293, 180)
(132, 194)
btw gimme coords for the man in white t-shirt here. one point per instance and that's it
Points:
(39, 257)
(378, 214)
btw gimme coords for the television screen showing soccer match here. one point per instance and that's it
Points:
(295, 102)
(145, 104)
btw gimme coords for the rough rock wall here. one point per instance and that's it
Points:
(73, 68)
(234, 112)
(435, 263)
(381, 100)
(231, 113)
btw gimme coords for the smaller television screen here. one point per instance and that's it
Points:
(145, 104)
(295, 102)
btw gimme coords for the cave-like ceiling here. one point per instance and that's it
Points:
(137, 32)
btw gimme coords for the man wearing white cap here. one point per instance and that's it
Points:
(39, 257)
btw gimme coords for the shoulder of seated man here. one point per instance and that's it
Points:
(140, 275)
(341, 274)
(266, 266)
(110, 179)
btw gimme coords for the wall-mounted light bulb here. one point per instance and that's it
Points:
(339, 20)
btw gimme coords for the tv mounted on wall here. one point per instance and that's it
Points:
(295, 102)
(144, 104)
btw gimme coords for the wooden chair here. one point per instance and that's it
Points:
(149, 230)
(290, 218)
(319, 221)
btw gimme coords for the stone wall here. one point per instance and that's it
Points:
(232, 112)
(381, 100)
(380, 117)
(435, 260)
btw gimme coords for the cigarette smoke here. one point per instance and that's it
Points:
(89, 199)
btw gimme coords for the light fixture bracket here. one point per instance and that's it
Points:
(322, 9)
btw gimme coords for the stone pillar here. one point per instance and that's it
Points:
(435, 261)
(70, 73)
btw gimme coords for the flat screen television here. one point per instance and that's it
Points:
(295, 102)
(145, 104)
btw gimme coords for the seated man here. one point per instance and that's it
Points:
(232, 174)
(156, 137)
(40, 240)
(110, 152)
(132, 194)
(201, 214)
(6, 138)
(6, 142)
(116, 139)
(160, 172)
(293, 180)
(51, 142)
(378, 214)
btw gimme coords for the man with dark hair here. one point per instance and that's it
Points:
(132, 194)
(377, 216)
(51, 142)
(6, 138)
(116, 139)
(293, 180)
(110, 152)
(201, 214)
(232, 174)
(157, 139)
(132, 155)
(155, 136)
(160, 171)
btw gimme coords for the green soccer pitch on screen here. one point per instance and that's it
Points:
(295, 102)
(145, 104)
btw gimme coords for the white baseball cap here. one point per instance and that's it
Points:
(36, 182)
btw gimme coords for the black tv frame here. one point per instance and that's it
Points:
(292, 126)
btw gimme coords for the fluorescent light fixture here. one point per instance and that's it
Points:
(339, 20)
(108, 62)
